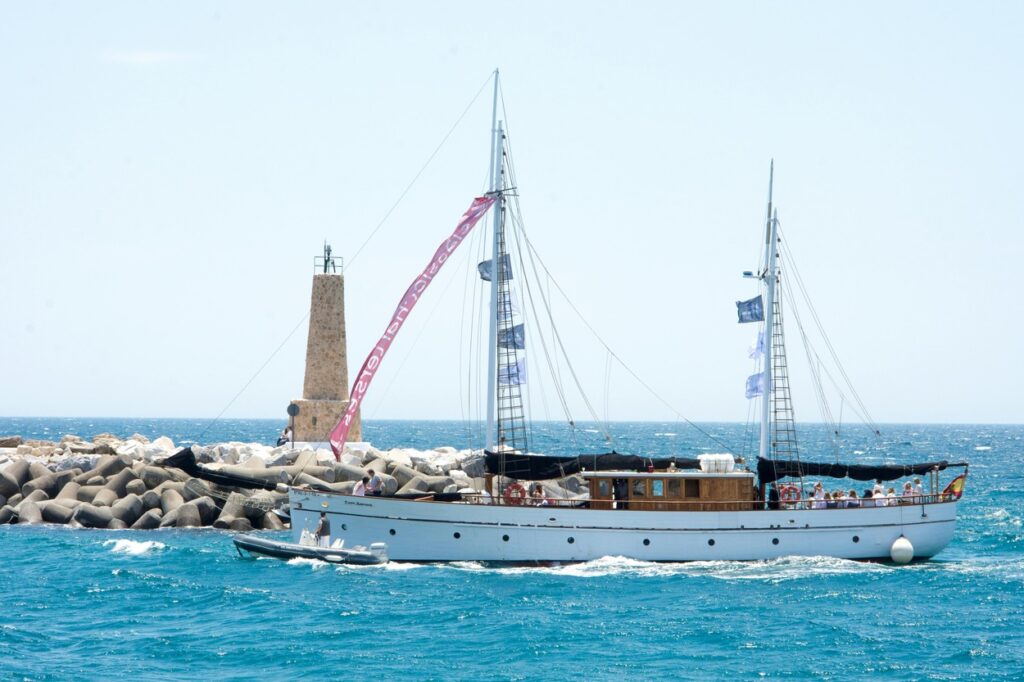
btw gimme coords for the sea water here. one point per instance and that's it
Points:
(171, 604)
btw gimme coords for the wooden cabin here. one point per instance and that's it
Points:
(671, 490)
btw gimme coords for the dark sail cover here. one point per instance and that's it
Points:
(543, 467)
(185, 460)
(769, 470)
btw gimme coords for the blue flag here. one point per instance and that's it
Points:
(750, 311)
(513, 337)
(485, 267)
(512, 375)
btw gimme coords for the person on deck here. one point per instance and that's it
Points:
(908, 495)
(323, 531)
(374, 486)
(360, 488)
(918, 490)
(773, 496)
(538, 499)
(819, 496)
(851, 500)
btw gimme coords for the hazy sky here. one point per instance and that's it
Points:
(169, 170)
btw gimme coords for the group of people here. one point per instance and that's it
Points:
(876, 496)
(371, 484)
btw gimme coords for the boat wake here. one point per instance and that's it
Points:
(133, 547)
(774, 570)
(313, 564)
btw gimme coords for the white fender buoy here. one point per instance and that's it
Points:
(902, 551)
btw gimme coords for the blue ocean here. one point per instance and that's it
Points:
(174, 604)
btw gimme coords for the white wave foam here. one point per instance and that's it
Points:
(314, 564)
(667, 434)
(774, 570)
(133, 547)
(983, 448)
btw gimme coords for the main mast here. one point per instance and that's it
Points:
(770, 238)
(496, 182)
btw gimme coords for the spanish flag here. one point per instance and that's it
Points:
(956, 486)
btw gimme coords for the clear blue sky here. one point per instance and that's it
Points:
(169, 170)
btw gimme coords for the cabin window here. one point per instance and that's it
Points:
(674, 487)
(658, 488)
(604, 489)
(639, 488)
(692, 488)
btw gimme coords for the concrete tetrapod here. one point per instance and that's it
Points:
(91, 516)
(148, 521)
(29, 512)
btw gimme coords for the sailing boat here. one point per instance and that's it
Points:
(706, 508)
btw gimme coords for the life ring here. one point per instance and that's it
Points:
(515, 493)
(789, 493)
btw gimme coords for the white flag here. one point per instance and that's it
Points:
(755, 385)
(756, 351)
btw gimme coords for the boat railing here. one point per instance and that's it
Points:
(661, 504)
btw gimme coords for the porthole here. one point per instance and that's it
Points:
(856, 538)
(571, 540)
(646, 542)
(392, 531)
(456, 535)
(711, 542)
(775, 541)
(505, 538)
(344, 527)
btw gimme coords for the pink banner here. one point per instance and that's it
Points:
(469, 219)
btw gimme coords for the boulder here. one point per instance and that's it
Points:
(118, 481)
(139, 438)
(153, 476)
(132, 449)
(233, 509)
(271, 521)
(475, 465)
(87, 493)
(428, 467)
(136, 486)
(170, 500)
(242, 525)
(195, 488)
(29, 512)
(398, 456)
(188, 516)
(108, 465)
(69, 491)
(128, 509)
(7, 514)
(256, 462)
(345, 472)
(34, 496)
(83, 448)
(10, 441)
(207, 507)
(148, 521)
(306, 458)
(165, 444)
(47, 483)
(310, 481)
(416, 485)
(99, 481)
(91, 516)
(437, 484)
(404, 474)
(105, 497)
(169, 519)
(54, 512)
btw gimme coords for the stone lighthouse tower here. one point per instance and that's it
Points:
(325, 389)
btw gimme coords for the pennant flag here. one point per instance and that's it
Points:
(485, 267)
(755, 385)
(756, 351)
(956, 486)
(512, 337)
(512, 375)
(469, 219)
(750, 311)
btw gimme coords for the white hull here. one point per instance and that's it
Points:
(444, 531)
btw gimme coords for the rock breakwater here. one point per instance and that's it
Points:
(122, 483)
